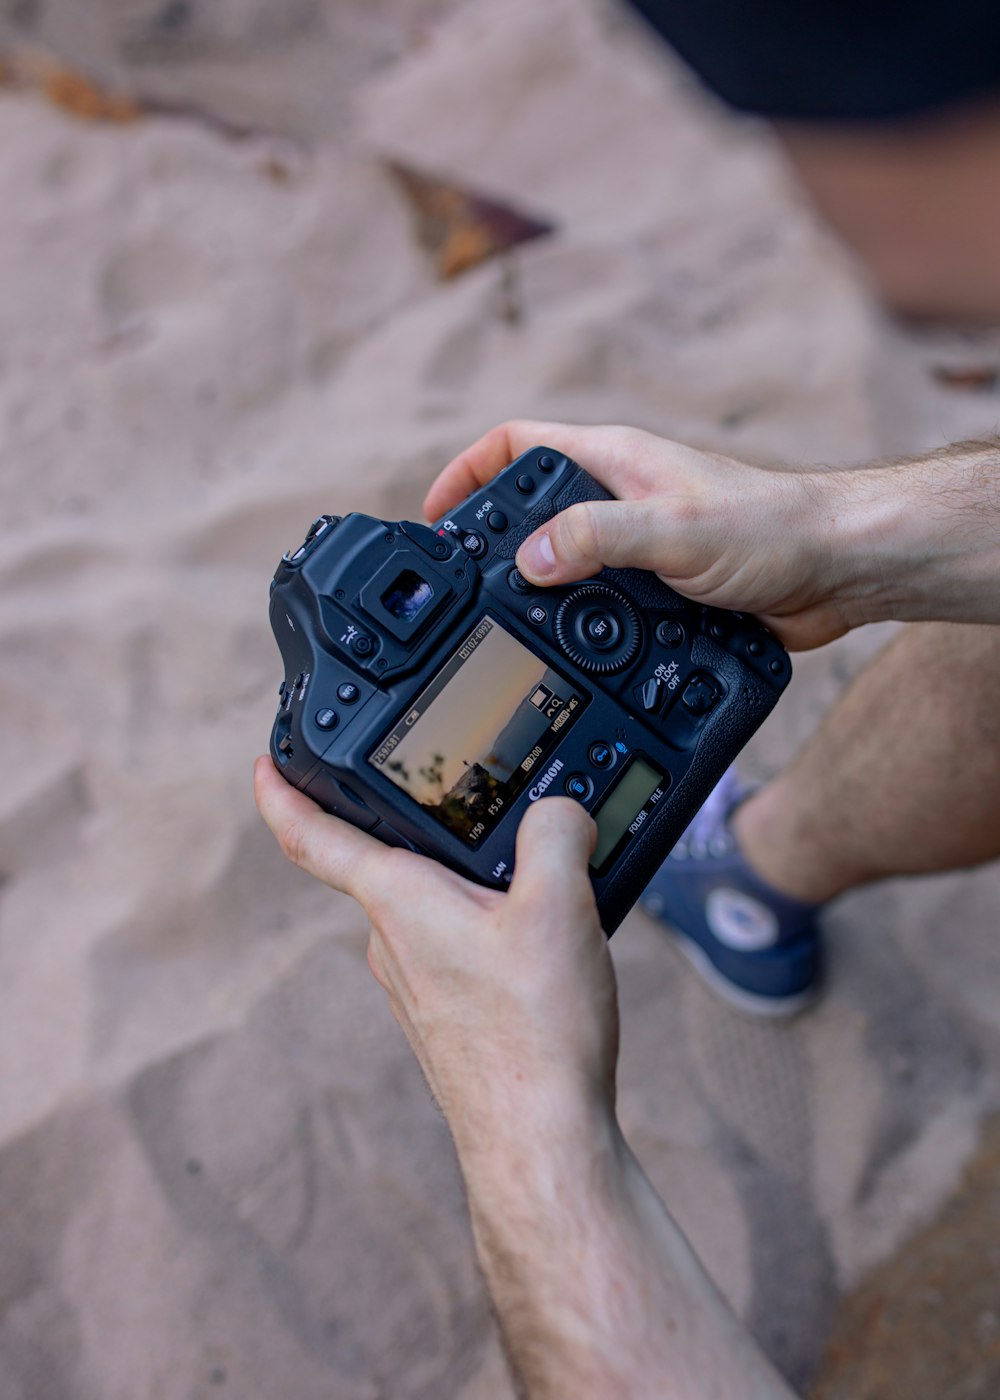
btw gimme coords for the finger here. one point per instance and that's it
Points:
(334, 851)
(554, 843)
(480, 463)
(376, 965)
(815, 626)
(613, 456)
(592, 535)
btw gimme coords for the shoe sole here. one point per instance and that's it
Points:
(749, 1003)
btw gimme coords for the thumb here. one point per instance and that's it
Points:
(555, 841)
(593, 534)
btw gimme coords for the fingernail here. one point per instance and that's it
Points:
(537, 557)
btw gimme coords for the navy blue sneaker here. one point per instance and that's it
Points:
(758, 948)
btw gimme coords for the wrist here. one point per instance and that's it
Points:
(522, 1157)
(596, 1290)
(865, 527)
(531, 1127)
(925, 537)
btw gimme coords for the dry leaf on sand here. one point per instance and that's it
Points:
(459, 227)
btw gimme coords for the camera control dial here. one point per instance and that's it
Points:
(598, 628)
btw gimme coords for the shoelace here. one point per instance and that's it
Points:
(708, 833)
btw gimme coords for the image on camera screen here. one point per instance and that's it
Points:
(476, 735)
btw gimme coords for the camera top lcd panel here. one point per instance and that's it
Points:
(431, 694)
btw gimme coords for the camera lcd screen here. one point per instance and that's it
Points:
(479, 732)
(625, 808)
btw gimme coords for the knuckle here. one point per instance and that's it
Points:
(578, 532)
(375, 965)
(292, 842)
(684, 510)
(627, 438)
(507, 431)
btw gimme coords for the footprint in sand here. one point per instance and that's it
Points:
(150, 277)
(148, 29)
(41, 811)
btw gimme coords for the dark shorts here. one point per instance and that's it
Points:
(820, 60)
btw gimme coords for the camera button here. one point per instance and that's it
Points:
(326, 719)
(497, 521)
(776, 666)
(517, 581)
(578, 785)
(348, 693)
(545, 464)
(601, 629)
(598, 628)
(699, 696)
(537, 615)
(364, 646)
(601, 755)
(669, 634)
(525, 484)
(474, 544)
(755, 646)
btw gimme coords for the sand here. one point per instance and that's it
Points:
(220, 1171)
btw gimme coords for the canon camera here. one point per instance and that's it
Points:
(431, 693)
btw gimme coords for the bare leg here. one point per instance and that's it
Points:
(901, 778)
(918, 201)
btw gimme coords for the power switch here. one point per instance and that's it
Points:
(651, 695)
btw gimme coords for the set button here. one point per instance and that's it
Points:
(578, 785)
(602, 629)
(598, 628)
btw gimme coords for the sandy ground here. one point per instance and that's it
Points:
(220, 1172)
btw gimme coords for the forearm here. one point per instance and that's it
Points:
(596, 1289)
(919, 540)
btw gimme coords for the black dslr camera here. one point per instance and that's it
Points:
(431, 693)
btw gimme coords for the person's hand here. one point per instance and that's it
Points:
(716, 530)
(507, 999)
(509, 1002)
